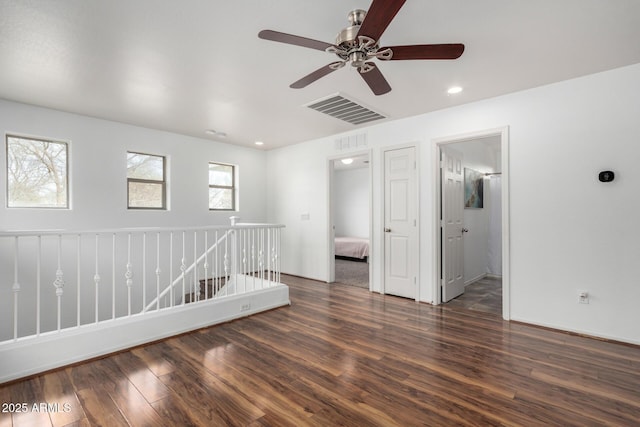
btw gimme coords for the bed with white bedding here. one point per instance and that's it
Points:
(352, 247)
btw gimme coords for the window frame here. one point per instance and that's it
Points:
(67, 181)
(163, 183)
(232, 187)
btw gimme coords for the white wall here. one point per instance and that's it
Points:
(569, 232)
(99, 194)
(351, 202)
(98, 173)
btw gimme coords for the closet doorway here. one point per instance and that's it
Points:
(350, 213)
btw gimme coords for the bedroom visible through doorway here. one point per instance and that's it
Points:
(350, 220)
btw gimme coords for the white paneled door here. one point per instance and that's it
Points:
(400, 228)
(452, 224)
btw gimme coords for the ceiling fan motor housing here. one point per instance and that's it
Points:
(352, 48)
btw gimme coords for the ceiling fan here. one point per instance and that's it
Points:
(360, 42)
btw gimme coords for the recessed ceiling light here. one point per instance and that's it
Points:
(346, 161)
(453, 90)
(259, 143)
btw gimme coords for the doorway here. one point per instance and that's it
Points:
(481, 261)
(350, 214)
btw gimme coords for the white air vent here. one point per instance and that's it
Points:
(346, 109)
(350, 142)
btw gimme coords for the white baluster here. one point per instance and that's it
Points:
(59, 282)
(158, 271)
(278, 255)
(216, 268)
(253, 256)
(196, 285)
(243, 235)
(15, 288)
(79, 263)
(38, 283)
(234, 260)
(226, 259)
(129, 275)
(183, 267)
(171, 268)
(144, 270)
(269, 255)
(96, 279)
(206, 266)
(113, 276)
(261, 256)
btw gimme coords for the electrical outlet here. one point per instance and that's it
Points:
(245, 307)
(583, 297)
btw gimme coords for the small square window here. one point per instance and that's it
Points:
(37, 173)
(146, 181)
(222, 189)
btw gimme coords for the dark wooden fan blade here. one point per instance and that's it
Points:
(294, 40)
(426, 51)
(379, 16)
(317, 74)
(376, 80)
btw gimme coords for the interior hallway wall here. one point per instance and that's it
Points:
(564, 222)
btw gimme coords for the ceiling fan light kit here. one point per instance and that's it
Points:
(359, 43)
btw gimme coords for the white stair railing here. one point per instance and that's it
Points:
(182, 277)
(62, 280)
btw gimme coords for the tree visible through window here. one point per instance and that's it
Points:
(146, 181)
(221, 187)
(36, 173)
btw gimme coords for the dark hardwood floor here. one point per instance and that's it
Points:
(485, 295)
(340, 355)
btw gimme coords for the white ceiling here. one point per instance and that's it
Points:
(188, 66)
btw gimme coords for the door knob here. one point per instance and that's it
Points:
(465, 230)
(387, 230)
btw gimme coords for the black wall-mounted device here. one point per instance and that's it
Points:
(606, 176)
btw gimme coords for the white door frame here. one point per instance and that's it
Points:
(503, 132)
(416, 147)
(331, 261)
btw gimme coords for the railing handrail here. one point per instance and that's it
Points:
(182, 275)
(57, 232)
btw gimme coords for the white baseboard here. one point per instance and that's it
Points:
(33, 355)
(583, 332)
(475, 279)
